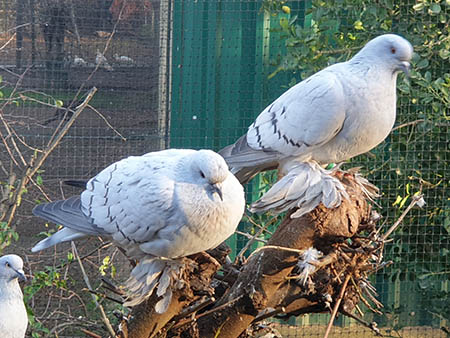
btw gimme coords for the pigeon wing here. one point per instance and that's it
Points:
(306, 116)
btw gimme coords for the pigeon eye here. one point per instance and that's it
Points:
(7, 265)
(393, 50)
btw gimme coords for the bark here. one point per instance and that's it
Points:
(260, 287)
(263, 275)
(145, 322)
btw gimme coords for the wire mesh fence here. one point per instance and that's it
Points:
(196, 74)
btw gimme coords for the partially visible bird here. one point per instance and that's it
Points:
(340, 112)
(124, 60)
(101, 60)
(13, 315)
(79, 62)
(158, 207)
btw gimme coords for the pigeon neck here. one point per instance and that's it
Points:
(13, 287)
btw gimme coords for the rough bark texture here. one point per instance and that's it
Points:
(262, 283)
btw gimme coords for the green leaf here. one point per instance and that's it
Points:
(39, 180)
(422, 64)
(418, 7)
(434, 9)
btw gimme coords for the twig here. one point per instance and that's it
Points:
(8, 42)
(412, 123)
(336, 306)
(269, 314)
(189, 310)
(107, 123)
(414, 201)
(253, 239)
(220, 307)
(372, 326)
(282, 248)
(90, 334)
(34, 167)
(88, 284)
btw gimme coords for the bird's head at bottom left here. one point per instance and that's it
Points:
(11, 267)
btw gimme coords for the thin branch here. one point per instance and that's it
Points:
(107, 123)
(336, 306)
(416, 199)
(412, 123)
(8, 42)
(220, 307)
(94, 298)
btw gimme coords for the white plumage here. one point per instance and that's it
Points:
(307, 264)
(159, 207)
(124, 60)
(338, 113)
(13, 315)
(79, 62)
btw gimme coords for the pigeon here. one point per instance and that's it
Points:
(13, 318)
(101, 61)
(79, 62)
(337, 113)
(159, 207)
(122, 59)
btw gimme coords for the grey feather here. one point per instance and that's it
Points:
(304, 187)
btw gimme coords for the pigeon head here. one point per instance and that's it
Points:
(392, 50)
(210, 168)
(11, 267)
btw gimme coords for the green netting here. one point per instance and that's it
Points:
(231, 59)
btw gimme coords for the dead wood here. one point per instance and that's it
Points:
(265, 285)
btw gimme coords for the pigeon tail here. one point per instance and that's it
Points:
(76, 183)
(69, 214)
(305, 186)
(246, 162)
(64, 235)
(154, 274)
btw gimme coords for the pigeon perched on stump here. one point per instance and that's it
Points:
(158, 207)
(13, 315)
(340, 112)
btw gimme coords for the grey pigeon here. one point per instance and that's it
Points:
(158, 207)
(340, 112)
(13, 315)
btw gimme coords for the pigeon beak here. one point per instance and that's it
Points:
(405, 67)
(215, 188)
(21, 275)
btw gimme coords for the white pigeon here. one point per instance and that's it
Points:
(340, 112)
(79, 62)
(158, 207)
(13, 315)
(101, 60)
(122, 59)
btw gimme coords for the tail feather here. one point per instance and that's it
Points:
(64, 235)
(76, 183)
(246, 162)
(69, 214)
